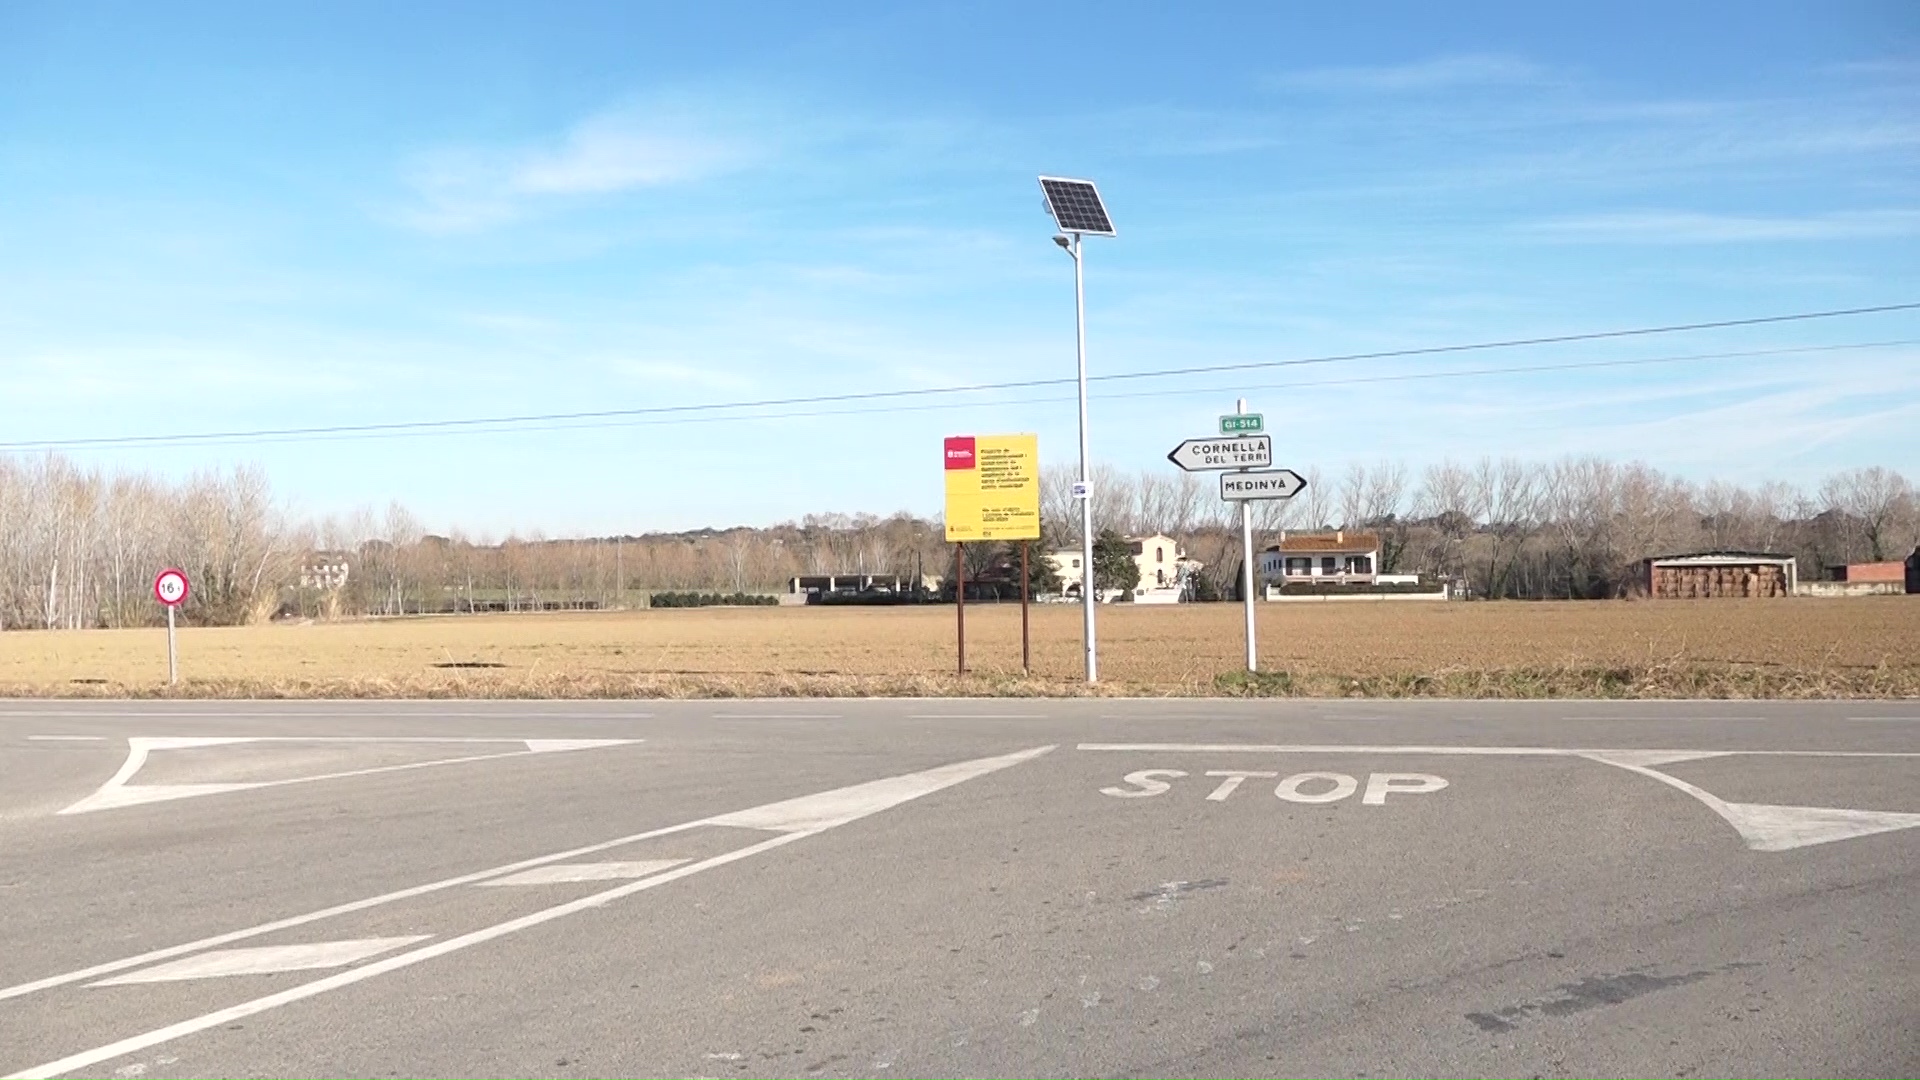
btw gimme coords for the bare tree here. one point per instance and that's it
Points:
(1873, 500)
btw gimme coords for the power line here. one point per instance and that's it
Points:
(588, 425)
(331, 432)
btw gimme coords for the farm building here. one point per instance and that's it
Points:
(1719, 573)
(1879, 573)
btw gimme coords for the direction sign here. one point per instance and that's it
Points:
(170, 588)
(1245, 452)
(1273, 484)
(1242, 424)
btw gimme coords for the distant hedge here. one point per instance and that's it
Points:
(710, 599)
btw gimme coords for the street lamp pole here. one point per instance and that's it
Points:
(1077, 211)
(1086, 464)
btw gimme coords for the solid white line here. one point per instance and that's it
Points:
(1901, 719)
(110, 966)
(1486, 751)
(569, 873)
(807, 816)
(296, 713)
(1249, 748)
(117, 792)
(776, 716)
(66, 738)
(157, 1036)
(977, 716)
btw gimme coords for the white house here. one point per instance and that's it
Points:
(1164, 568)
(1339, 556)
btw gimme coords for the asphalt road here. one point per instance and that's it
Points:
(959, 888)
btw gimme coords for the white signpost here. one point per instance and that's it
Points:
(1239, 452)
(170, 588)
(1252, 456)
(1274, 484)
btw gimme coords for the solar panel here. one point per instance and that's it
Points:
(1075, 205)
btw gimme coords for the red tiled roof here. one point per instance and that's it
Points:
(1332, 542)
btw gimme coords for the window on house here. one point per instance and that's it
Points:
(1328, 563)
(1360, 564)
(1299, 566)
(1076, 564)
(1159, 577)
(1159, 554)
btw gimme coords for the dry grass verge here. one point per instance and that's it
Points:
(1797, 648)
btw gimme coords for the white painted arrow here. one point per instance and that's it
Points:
(791, 820)
(118, 792)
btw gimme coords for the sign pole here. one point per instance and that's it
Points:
(1246, 564)
(960, 600)
(173, 666)
(1026, 651)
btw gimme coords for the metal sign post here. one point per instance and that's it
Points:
(960, 602)
(993, 495)
(1246, 557)
(1250, 457)
(170, 588)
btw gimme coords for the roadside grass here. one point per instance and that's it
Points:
(1801, 648)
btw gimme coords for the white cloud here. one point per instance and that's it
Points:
(1680, 227)
(1439, 73)
(459, 189)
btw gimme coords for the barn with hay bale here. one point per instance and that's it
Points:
(1713, 574)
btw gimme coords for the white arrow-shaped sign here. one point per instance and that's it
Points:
(1274, 484)
(1241, 452)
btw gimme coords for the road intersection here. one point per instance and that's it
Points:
(958, 887)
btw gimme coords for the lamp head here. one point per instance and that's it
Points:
(1061, 239)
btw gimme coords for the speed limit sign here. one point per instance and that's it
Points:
(170, 588)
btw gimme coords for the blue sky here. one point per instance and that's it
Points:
(261, 216)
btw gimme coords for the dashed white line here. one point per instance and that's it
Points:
(66, 738)
(265, 960)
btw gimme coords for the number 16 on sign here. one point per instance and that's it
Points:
(170, 588)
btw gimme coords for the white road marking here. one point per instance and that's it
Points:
(1892, 719)
(23, 989)
(1233, 780)
(1468, 751)
(1382, 784)
(117, 792)
(808, 816)
(1343, 786)
(66, 738)
(1649, 758)
(1764, 827)
(265, 960)
(776, 716)
(321, 707)
(562, 873)
(977, 716)
(812, 813)
(1146, 784)
(1780, 828)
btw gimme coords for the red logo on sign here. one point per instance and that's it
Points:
(960, 452)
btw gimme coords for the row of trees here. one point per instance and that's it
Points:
(79, 548)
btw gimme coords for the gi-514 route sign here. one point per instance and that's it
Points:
(1242, 424)
(1201, 455)
(993, 487)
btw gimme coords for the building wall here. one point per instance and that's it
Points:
(1704, 582)
(1875, 571)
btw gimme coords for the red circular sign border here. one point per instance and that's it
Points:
(186, 587)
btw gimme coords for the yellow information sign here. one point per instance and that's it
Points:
(993, 487)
